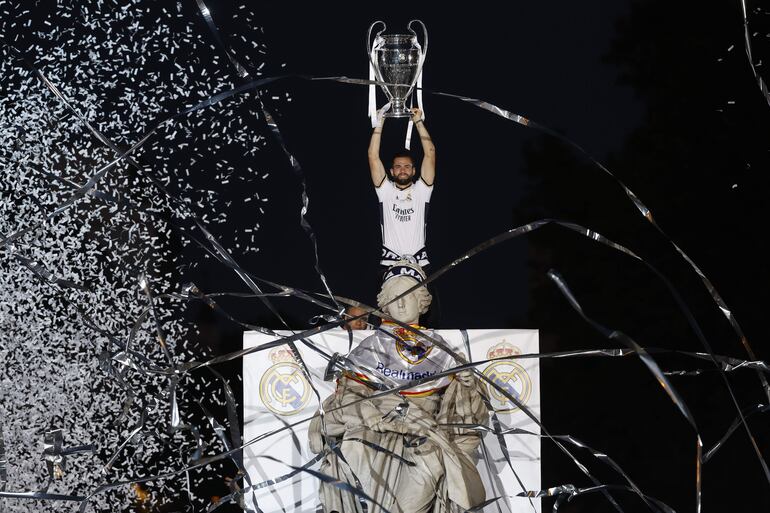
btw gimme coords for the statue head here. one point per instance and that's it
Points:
(398, 279)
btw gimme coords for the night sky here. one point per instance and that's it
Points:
(551, 71)
(659, 92)
(651, 90)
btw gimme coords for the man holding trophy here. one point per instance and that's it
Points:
(395, 62)
(403, 201)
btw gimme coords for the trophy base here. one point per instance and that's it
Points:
(400, 113)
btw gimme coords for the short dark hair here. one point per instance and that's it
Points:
(405, 154)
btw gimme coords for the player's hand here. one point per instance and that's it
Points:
(416, 114)
(380, 117)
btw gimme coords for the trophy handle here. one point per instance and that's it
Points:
(424, 34)
(369, 46)
(417, 82)
(369, 34)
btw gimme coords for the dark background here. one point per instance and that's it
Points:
(663, 95)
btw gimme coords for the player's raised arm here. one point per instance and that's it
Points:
(375, 164)
(428, 168)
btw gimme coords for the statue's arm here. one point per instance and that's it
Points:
(358, 410)
(327, 424)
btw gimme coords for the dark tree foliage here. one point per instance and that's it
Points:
(698, 161)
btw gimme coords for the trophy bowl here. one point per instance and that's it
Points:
(397, 60)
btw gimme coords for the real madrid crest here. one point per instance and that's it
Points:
(283, 387)
(509, 376)
(408, 347)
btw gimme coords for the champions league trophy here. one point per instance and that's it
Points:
(397, 60)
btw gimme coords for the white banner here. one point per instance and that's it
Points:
(276, 393)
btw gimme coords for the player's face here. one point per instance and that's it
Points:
(402, 170)
(407, 308)
(357, 324)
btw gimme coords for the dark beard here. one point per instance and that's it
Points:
(403, 181)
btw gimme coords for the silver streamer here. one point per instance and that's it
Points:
(88, 280)
(76, 242)
(3, 461)
(747, 45)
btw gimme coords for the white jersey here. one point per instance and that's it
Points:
(403, 219)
